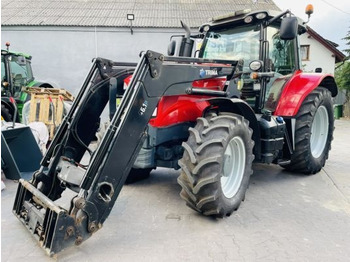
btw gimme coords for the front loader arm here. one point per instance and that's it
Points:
(98, 184)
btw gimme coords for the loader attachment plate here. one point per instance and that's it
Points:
(48, 223)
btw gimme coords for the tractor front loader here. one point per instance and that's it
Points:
(98, 184)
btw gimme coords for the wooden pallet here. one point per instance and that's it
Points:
(49, 91)
(47, 108)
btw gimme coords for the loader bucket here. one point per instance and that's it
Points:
(19, 152)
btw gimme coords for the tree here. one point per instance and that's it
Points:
(342, 76)
(347, 39)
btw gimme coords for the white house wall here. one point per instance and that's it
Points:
(63, 55)
(319, 56)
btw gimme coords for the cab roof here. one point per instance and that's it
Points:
(5, 52)
(239, 17)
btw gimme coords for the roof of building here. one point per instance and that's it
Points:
(331, 46)
(113, 13)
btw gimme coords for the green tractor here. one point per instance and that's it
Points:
(16, 73)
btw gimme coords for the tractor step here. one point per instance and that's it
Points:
(284, 162)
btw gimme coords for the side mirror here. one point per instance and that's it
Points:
(171, 48)
(289, 28)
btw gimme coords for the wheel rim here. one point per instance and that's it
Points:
(319, 132)
(233, 169)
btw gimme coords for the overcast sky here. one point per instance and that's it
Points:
(331, 18)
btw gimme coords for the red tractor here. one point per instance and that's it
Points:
(244, 98)
(289, 120)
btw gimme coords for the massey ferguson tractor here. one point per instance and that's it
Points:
(241, 98)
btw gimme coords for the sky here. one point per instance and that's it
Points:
(331, 18)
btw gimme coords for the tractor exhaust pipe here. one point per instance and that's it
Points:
(187, 29)
(186, 43)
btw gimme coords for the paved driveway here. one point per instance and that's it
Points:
(285, 217)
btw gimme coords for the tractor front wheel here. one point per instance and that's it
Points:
(217, 164)
(313, 133)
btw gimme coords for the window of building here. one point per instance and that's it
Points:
(305, 52)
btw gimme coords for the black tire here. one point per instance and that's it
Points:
(5, 114)
(136, 175)
(202, 165)
(305, 159)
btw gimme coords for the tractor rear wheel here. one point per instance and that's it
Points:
(217, 164)
(5, 114)
(313, 133)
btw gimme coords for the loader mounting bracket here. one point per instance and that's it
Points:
(155, 61)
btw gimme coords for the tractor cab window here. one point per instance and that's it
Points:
(3, 76)
(232, 44)
(2, 70)
(21, 72)
(282, 53)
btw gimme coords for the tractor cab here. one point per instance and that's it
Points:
(264, 42)
(16, 72)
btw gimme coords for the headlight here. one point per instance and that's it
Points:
(260, 15)
(255, 65)
(206, 28)
(248, 19)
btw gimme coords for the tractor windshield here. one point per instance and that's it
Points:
(21, 70)
(232, 44)
(242, 42)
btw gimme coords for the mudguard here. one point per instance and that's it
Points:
(297, 88)
(178, 109)
(174, 110)
(39, 84)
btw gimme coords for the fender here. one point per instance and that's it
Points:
(173, 110)
(299, 86)
(39, 84)
(177, 109)
(240, 107)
